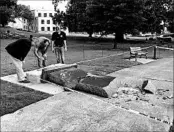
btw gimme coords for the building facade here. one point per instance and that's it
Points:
(43, 22)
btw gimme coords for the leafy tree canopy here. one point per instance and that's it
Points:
(24, 12)
(6, 11)
(118, 16)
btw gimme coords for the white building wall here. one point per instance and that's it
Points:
(45, 26)
(45, 19)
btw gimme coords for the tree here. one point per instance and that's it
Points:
(155, 11)
(78, 17)
(6, 11)
(24, 12)
(117, 16)
(170, 17)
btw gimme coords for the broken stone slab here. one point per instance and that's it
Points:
(66, 77)
(95, 85)
(47, 70)
(129, 82)
(104, 86)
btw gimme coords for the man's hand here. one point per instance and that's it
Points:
(23, 61)
(53, 50)
(66, 48)
(45, 57)
(41, 58)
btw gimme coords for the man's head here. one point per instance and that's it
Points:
(31, 37)
(34, 41)
(58, 29)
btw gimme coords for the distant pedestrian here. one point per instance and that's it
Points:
(41, 45)
(17, 51)
(59, 45)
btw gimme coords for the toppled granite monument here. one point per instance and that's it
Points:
(104, 86)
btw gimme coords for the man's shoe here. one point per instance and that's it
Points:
(24, 81)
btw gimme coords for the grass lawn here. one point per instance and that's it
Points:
(14, 97)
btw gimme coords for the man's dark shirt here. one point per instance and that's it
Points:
(58, 38)
(19, 49)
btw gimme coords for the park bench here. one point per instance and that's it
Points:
(137, 51)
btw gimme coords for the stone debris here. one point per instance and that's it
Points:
(150, 87)
(170, 97)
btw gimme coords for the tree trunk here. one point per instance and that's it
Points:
(3, 25)
(90, 35)
(90, 32)
(115, 42)
(119, 36)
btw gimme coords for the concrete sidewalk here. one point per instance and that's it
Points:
(35, 84)
(161, 69)
(76, 112)
(71, 111)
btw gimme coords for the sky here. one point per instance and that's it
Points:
(41, 4)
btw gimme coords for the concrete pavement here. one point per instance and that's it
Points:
(71, 111)
(76, 112)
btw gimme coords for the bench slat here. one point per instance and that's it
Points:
(137, 51)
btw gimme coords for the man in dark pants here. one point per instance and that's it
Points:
(17, 51)
(59, 45)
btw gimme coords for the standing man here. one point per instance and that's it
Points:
(41, 45)
(59, 45)
(17, 51)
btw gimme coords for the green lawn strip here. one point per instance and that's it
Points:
(117, 61)
(14, 97)
(108, 65)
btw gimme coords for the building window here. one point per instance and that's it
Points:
(50, 14)
(54, 28)
(48, 21)
(48, 28)
(42, 21)
(54, 22)
(45, 14)
(39, 14)
(42, 28)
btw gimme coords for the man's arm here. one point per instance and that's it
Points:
(65, 45)
(36, 53)
(46, 48)
(65, 42)
(52, 41)
(52, 45)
